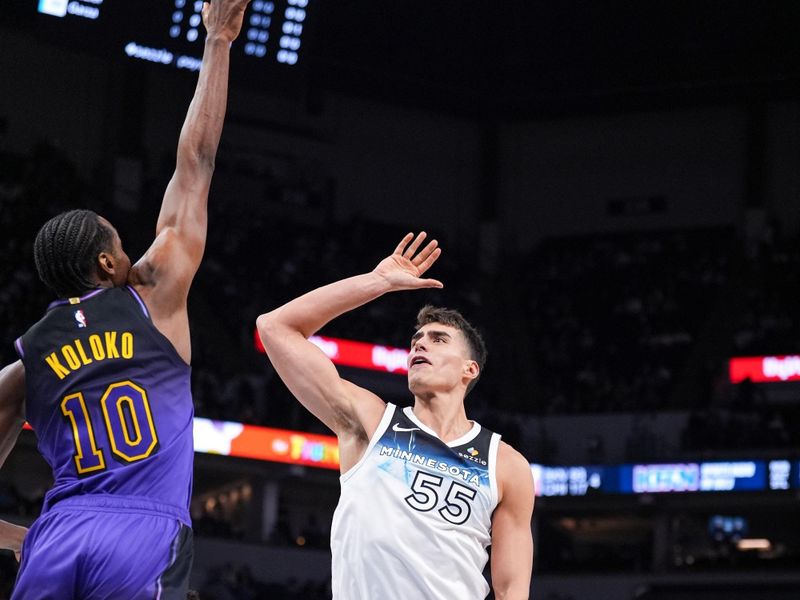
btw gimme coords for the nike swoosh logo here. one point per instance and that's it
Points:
(396, 427)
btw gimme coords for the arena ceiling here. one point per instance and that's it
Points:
(520, 57)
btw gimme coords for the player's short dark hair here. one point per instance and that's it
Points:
(453, 318)
(66, 250)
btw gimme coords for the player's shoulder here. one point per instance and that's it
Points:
(510, 458)
(512, 466)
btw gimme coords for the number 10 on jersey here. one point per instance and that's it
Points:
(128, 422)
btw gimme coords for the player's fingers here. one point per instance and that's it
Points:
(425, 252)
(412, 249)
(429, 283)
(402, 245)
(426, 264)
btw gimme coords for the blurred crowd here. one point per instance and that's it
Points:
(237, 582)
(610, 323)
(612, 319)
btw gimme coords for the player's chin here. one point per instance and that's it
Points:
(420, 384)
(415, 383)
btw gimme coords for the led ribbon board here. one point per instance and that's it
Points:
(362, 355)
(764, 369)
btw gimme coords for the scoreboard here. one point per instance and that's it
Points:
(691, 477)
(170, 33)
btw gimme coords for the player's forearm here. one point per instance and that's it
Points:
(11, 536)
(201, 132)
(12, 406)
(10, 426)
(310, 312)
(202, 128)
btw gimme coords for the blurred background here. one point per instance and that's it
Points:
(616, 186)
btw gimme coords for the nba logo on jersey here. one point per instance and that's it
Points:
(80, 318)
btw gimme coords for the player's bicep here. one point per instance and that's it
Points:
(512, 539)
(174, 256)
(311, 377)
(185, 210)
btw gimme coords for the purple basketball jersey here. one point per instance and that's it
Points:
(109, 399)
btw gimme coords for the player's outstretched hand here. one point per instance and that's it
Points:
(223, 18)
(404, 268)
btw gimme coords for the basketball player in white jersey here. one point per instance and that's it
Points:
(424, 490)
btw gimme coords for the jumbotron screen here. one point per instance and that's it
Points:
(171, 32)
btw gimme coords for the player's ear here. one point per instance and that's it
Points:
(471, 369)
(106, 264)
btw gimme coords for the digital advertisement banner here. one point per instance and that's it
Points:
(764, 369)
(362, 355)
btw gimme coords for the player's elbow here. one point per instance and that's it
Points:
(268, 326)
(278, 328)
(512, 591)
(196, 157)
(264, 323)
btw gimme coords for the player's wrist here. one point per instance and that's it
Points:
(381, 282)
(218, 39)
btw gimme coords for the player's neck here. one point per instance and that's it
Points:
(444, 414)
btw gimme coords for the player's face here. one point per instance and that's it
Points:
(122, 264)
(439, 360)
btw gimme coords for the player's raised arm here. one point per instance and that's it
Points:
(307, 372)
(164, 274)
(12, 406)
(181, 229)
(512, 541)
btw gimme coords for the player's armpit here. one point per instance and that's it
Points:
(12, 406)
(512, 539)
(342, 406)
(165, 270)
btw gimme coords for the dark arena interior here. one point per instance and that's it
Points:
(616, 189)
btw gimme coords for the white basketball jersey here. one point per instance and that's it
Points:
(414, 516)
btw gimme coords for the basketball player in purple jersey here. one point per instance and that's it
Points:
(104, 378)
(424, 490)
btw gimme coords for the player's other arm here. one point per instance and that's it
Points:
(12, 406)
(306, 371)
(12, 418)
(173, 259)
(12, 536)
(304, 368)
(512, 541)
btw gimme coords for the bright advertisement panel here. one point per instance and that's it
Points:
(362, 355)
(576, 480)
(743, 475)
(228, 438)
(265, 443)
(764, 369)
